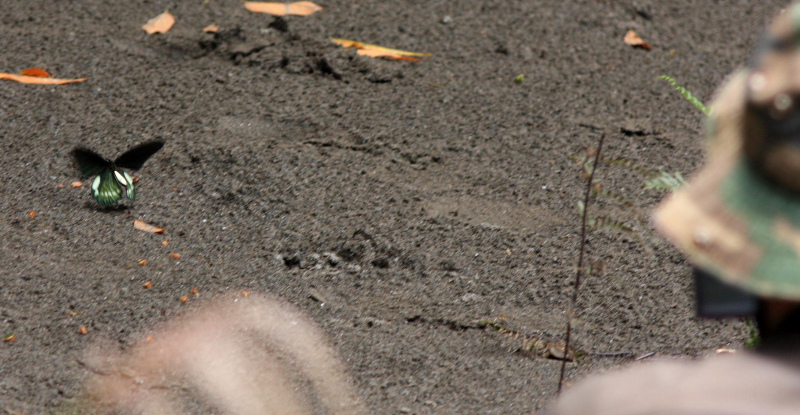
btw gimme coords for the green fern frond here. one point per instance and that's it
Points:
(686, 94)
(586, 163)
(617, 197)
(665, 181)
(604, 222)
(628, 164)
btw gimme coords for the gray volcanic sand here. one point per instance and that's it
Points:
(396, 203)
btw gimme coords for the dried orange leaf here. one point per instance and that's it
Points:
(83, 330)
(159, 24)
(165, 243)
(148, 284)
(32, 214)
(60, 186)
(10, 337)
(144, 226)
(175, 255)
(149, 338)
(373, 53)
(38, 80)
(299, 8)
(631, 38)
(76, 184)
(212, 28)
(36, 72)
(195, 291)
(185, 299)
(142, 262)
(245, 293)
(376, 51)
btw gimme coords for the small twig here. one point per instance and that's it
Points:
(579, 271)
(645, 356)
(612, 354)
(91, 368)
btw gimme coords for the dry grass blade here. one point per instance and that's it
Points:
(376, 51)
(38, 80)
(300, 8)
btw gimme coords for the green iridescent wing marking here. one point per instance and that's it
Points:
(106, 189)
(126, 181)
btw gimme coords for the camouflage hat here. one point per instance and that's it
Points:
(739, 218)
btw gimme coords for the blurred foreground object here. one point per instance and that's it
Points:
(233, 355)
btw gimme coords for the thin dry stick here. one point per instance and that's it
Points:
(579, 272)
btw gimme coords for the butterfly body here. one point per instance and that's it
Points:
(111, 181)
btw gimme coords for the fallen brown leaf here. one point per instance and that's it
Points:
(299, 8)
(195, 291)
(144, 226)
(83, 330)
(175, 255)
(165, 243)
(633, 39)
(159, 24)
(32, 214)
(142, 262)
(148, 284)
(376, 51)
(212, 28)
(76, 184)
(185, 299)
(9, 338)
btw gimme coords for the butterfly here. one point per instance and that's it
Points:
(111, 180)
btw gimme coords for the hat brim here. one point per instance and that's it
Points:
(731, 221)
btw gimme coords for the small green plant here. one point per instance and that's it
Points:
(686, 94)
(520, 78)
(753, 339)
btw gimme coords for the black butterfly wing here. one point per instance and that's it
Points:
(89, 162)
(134, 158)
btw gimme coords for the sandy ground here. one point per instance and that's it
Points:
(395, 203)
